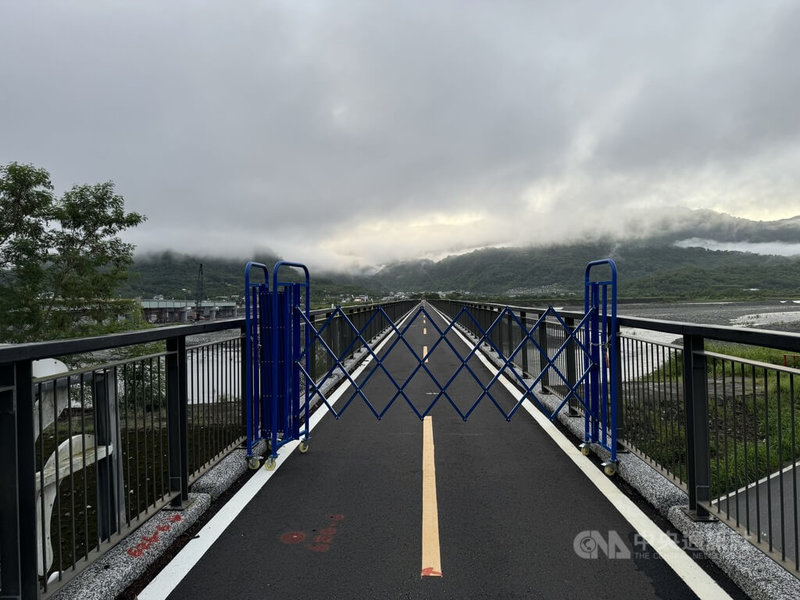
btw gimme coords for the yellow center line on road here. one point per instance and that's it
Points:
(425, 353)
(431, 555)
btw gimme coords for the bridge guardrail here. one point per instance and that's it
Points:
(89, 453)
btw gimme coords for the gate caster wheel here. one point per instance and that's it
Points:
(585, 449)
(253, 463)
(303, 447)
(269, 464)
(610, 469)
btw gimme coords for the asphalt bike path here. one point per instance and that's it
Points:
(516, 517)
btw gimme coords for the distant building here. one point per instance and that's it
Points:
(159, 310)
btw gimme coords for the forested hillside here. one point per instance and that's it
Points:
(174, 275)
(646, 270)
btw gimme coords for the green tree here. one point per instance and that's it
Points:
(61, 259)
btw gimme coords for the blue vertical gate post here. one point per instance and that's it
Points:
(287, 304)
(275, 325)
(257, 345)
(275, 329)
(600, 304)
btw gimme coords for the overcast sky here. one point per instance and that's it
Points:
(347, 133)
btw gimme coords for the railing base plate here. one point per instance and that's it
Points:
(698, 518)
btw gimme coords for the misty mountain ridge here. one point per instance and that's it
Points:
(686, 255)
(689, 253)
(721, 227)
(684, 227)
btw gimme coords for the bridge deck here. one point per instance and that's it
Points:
(346, 520)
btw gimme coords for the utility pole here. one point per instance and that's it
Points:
(201, 292)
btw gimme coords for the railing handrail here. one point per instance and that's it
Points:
(46, 349)
(752, 336)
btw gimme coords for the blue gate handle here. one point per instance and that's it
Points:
(587, 279)
(285, 263)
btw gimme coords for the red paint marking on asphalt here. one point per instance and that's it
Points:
(293, 537)
(322, 539)
(429, 572)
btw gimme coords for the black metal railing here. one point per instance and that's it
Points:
(343, 338)
(718, 411)
(107, 437)
(123, 428)
(505, 333)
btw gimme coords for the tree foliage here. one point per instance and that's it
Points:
(61, 259)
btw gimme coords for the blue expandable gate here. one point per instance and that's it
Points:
(281, 338)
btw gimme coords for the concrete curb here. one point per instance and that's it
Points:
(225, 472)
(110, 575)
(754, 572)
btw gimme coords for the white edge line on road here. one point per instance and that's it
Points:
(700, 582)
(170, 576)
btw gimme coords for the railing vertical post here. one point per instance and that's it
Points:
(499, 331)
(592, 415)
(312, 348)
(336, 335)
(110, 482)
(243, 347)
(510, 334)
(618, 378)
(361, 327)
(697, 439)
(329, 360)
(18, 555)
(542, 334)
(177, 421)
(523, 319)
(572, 375)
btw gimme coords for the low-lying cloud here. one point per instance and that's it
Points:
(356, 133)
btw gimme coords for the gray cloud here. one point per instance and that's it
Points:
(345, 133)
